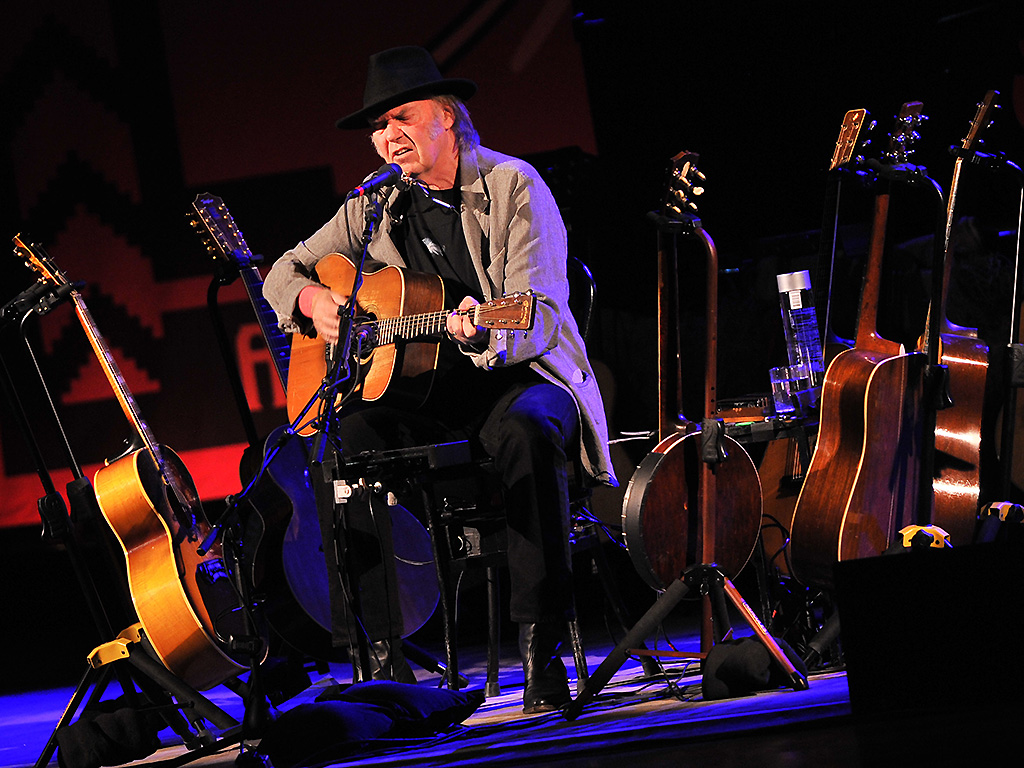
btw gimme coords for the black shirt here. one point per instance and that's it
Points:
(427, 231)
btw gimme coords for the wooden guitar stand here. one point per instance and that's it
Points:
(709, 581)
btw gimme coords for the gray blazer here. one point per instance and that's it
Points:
(517, 241)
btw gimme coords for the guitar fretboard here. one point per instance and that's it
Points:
(277, 340)
(406, 327)
(390, 329)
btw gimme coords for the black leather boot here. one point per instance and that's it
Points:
(387, 662)
(547, 684)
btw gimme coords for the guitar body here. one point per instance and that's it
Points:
(781, 475)
(283, 501)
(661, 516)
(182, 599)
(292, 572)
(861, 485)
(283, 539)
(957, 484)
(404, 369)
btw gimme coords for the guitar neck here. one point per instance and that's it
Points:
(117, 382)
(867, 319)
(901, 141)
(390, 329)
(276, 339)
(407, 327)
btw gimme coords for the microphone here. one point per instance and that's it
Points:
(384, 177)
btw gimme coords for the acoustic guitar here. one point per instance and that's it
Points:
(183, 600)
(862, 485)
(781, 469)
(289, 555)
(681, 509)
(400, 326)
(956, 471)
(845, 162)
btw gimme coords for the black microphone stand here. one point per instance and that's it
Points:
(329, 462)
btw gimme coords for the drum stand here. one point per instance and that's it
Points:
(710, 582)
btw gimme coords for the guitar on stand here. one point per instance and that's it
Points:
(784, 463)
(184, 601)
(695, 500)
(956, 483)
(696, 497)
(862, 482)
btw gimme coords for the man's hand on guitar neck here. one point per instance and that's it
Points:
(320, 304)
(462, 328)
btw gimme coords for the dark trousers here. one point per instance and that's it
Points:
(528, 426)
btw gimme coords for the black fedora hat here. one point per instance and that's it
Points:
(399, 75)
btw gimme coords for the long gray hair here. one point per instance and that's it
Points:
(465, 132)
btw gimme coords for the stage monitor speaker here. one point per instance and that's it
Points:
(934, 632)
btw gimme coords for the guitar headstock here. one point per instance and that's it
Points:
(38, 261)
(849, 141)
(212, 220)
(904, 133)
(686, 182)
(982, 119)
(513, 312)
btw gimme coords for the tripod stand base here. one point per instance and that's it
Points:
(709, 580)
(185, 717)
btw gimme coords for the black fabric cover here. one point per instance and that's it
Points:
(113, 737)
(416, 710)
(743, 666)
(345, 720)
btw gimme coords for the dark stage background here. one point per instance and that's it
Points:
(118, 113)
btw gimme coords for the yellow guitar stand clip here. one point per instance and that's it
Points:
(187, 714)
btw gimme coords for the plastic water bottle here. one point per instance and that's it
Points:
(800, 324)
(796, 387)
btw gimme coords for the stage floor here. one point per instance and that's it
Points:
(659, 721)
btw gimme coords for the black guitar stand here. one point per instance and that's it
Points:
(145, 682)
(707, 580)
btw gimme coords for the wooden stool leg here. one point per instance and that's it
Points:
(442, 567)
